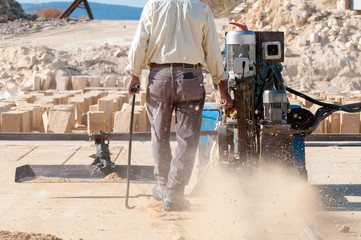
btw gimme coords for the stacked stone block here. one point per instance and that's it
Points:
(54, 111)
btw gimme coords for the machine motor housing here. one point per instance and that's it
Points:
(275, 105)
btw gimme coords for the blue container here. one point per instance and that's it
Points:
(209, 120)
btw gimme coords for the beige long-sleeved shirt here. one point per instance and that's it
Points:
(176, 31)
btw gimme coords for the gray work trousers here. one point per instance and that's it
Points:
(181, 90)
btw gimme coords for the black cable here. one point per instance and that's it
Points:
(243, 67)
(264, 82)
(327, 105)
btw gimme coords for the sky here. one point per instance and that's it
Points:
(132, 3)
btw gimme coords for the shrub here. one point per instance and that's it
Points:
(49, 12)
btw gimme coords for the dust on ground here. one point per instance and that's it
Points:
(5, 235)
(112, 177)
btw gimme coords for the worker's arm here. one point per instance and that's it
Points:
(213, 58)
(139, 46)
(227, 101)
(211, 48)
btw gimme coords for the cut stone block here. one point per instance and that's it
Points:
(62, 83)
(93, 108)
(3, 108)
(350, 122)
(106, 105)
(62, 98)
(121, 121)
(28, 119)
(305, 103)
(79, 82)
(144, 122)
(110, 81)
(45, 81)
(94, 81)
(321, 128)
(123, 100)
(60, 73)
(138, 122)
(93, 97)
(58, 120)
(143, 98)
(335, 123)
(37, 119)
(116, 102)
(97, 121)
(80, 107)
(36, 82)
(11, 121)
(25, 121)
(47, 101)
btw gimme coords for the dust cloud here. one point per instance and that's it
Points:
(263, 202)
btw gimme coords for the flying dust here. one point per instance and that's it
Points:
(264, 202)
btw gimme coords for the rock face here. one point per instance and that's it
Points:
(11, 10)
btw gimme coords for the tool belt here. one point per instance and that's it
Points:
(182, 65)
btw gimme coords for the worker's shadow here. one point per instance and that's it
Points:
(333, 197)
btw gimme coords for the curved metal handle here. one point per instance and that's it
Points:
(130, 152)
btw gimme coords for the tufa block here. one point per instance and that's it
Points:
(79, 82)
(97, 121)
(11, 121)
(350, 122)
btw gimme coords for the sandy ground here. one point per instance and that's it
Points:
(69, 38)
(261, 203)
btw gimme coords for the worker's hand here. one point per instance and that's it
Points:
(134, 80)
(227, 101)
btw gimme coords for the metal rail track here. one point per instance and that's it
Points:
(145, 136)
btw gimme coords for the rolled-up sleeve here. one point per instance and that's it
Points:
(139, 46)
(211, 49)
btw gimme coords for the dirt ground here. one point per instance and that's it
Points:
(74, 37)
(258, 203)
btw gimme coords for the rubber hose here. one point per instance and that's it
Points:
(328, 105)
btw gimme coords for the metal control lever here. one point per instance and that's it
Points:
(133, 89)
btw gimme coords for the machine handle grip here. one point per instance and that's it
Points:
(134, 88)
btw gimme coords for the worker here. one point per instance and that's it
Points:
(175, 39)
